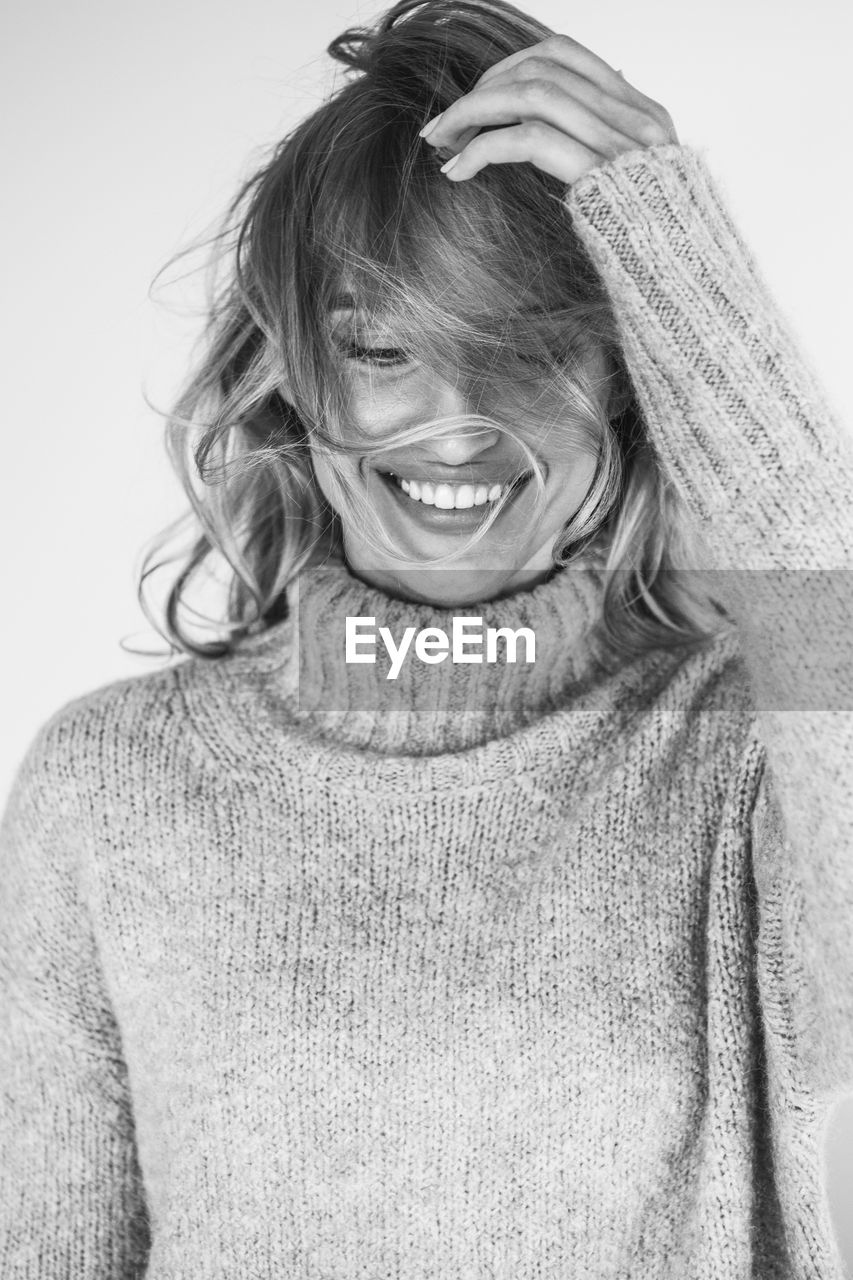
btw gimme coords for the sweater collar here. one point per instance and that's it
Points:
(427, 708)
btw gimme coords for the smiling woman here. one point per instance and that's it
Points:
(352, 944)
(377, 318)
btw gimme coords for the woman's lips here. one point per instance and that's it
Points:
(448, 520)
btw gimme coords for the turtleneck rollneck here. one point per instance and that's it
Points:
(295, 672)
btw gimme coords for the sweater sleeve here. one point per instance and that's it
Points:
(744, 434)
(71, 1201)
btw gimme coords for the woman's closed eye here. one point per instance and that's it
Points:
(377, 355)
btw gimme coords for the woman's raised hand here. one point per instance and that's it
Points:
(565, 110)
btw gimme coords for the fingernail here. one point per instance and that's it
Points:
(448, 164)
(428, 128)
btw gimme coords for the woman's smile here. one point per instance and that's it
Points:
(443, 506)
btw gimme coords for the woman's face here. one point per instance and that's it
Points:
(463, 468)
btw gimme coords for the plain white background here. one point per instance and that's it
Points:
(127, 129)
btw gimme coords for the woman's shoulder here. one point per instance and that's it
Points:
(133, 709)
(141, 731)
(121, 717)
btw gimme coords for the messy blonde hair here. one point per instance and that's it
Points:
(484, 278)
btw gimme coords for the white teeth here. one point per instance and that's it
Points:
(450, 497)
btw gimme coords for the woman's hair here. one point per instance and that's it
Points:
(484, 280)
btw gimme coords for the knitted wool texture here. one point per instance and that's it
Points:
(506, 971)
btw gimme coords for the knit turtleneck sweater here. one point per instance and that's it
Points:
(508, 970)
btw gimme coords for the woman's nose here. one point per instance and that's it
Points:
(463, 445)
(457, 446)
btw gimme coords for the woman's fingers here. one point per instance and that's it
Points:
(560, 98)
(555, 104)
(562, 49)
(575, 57)
(540, 144)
